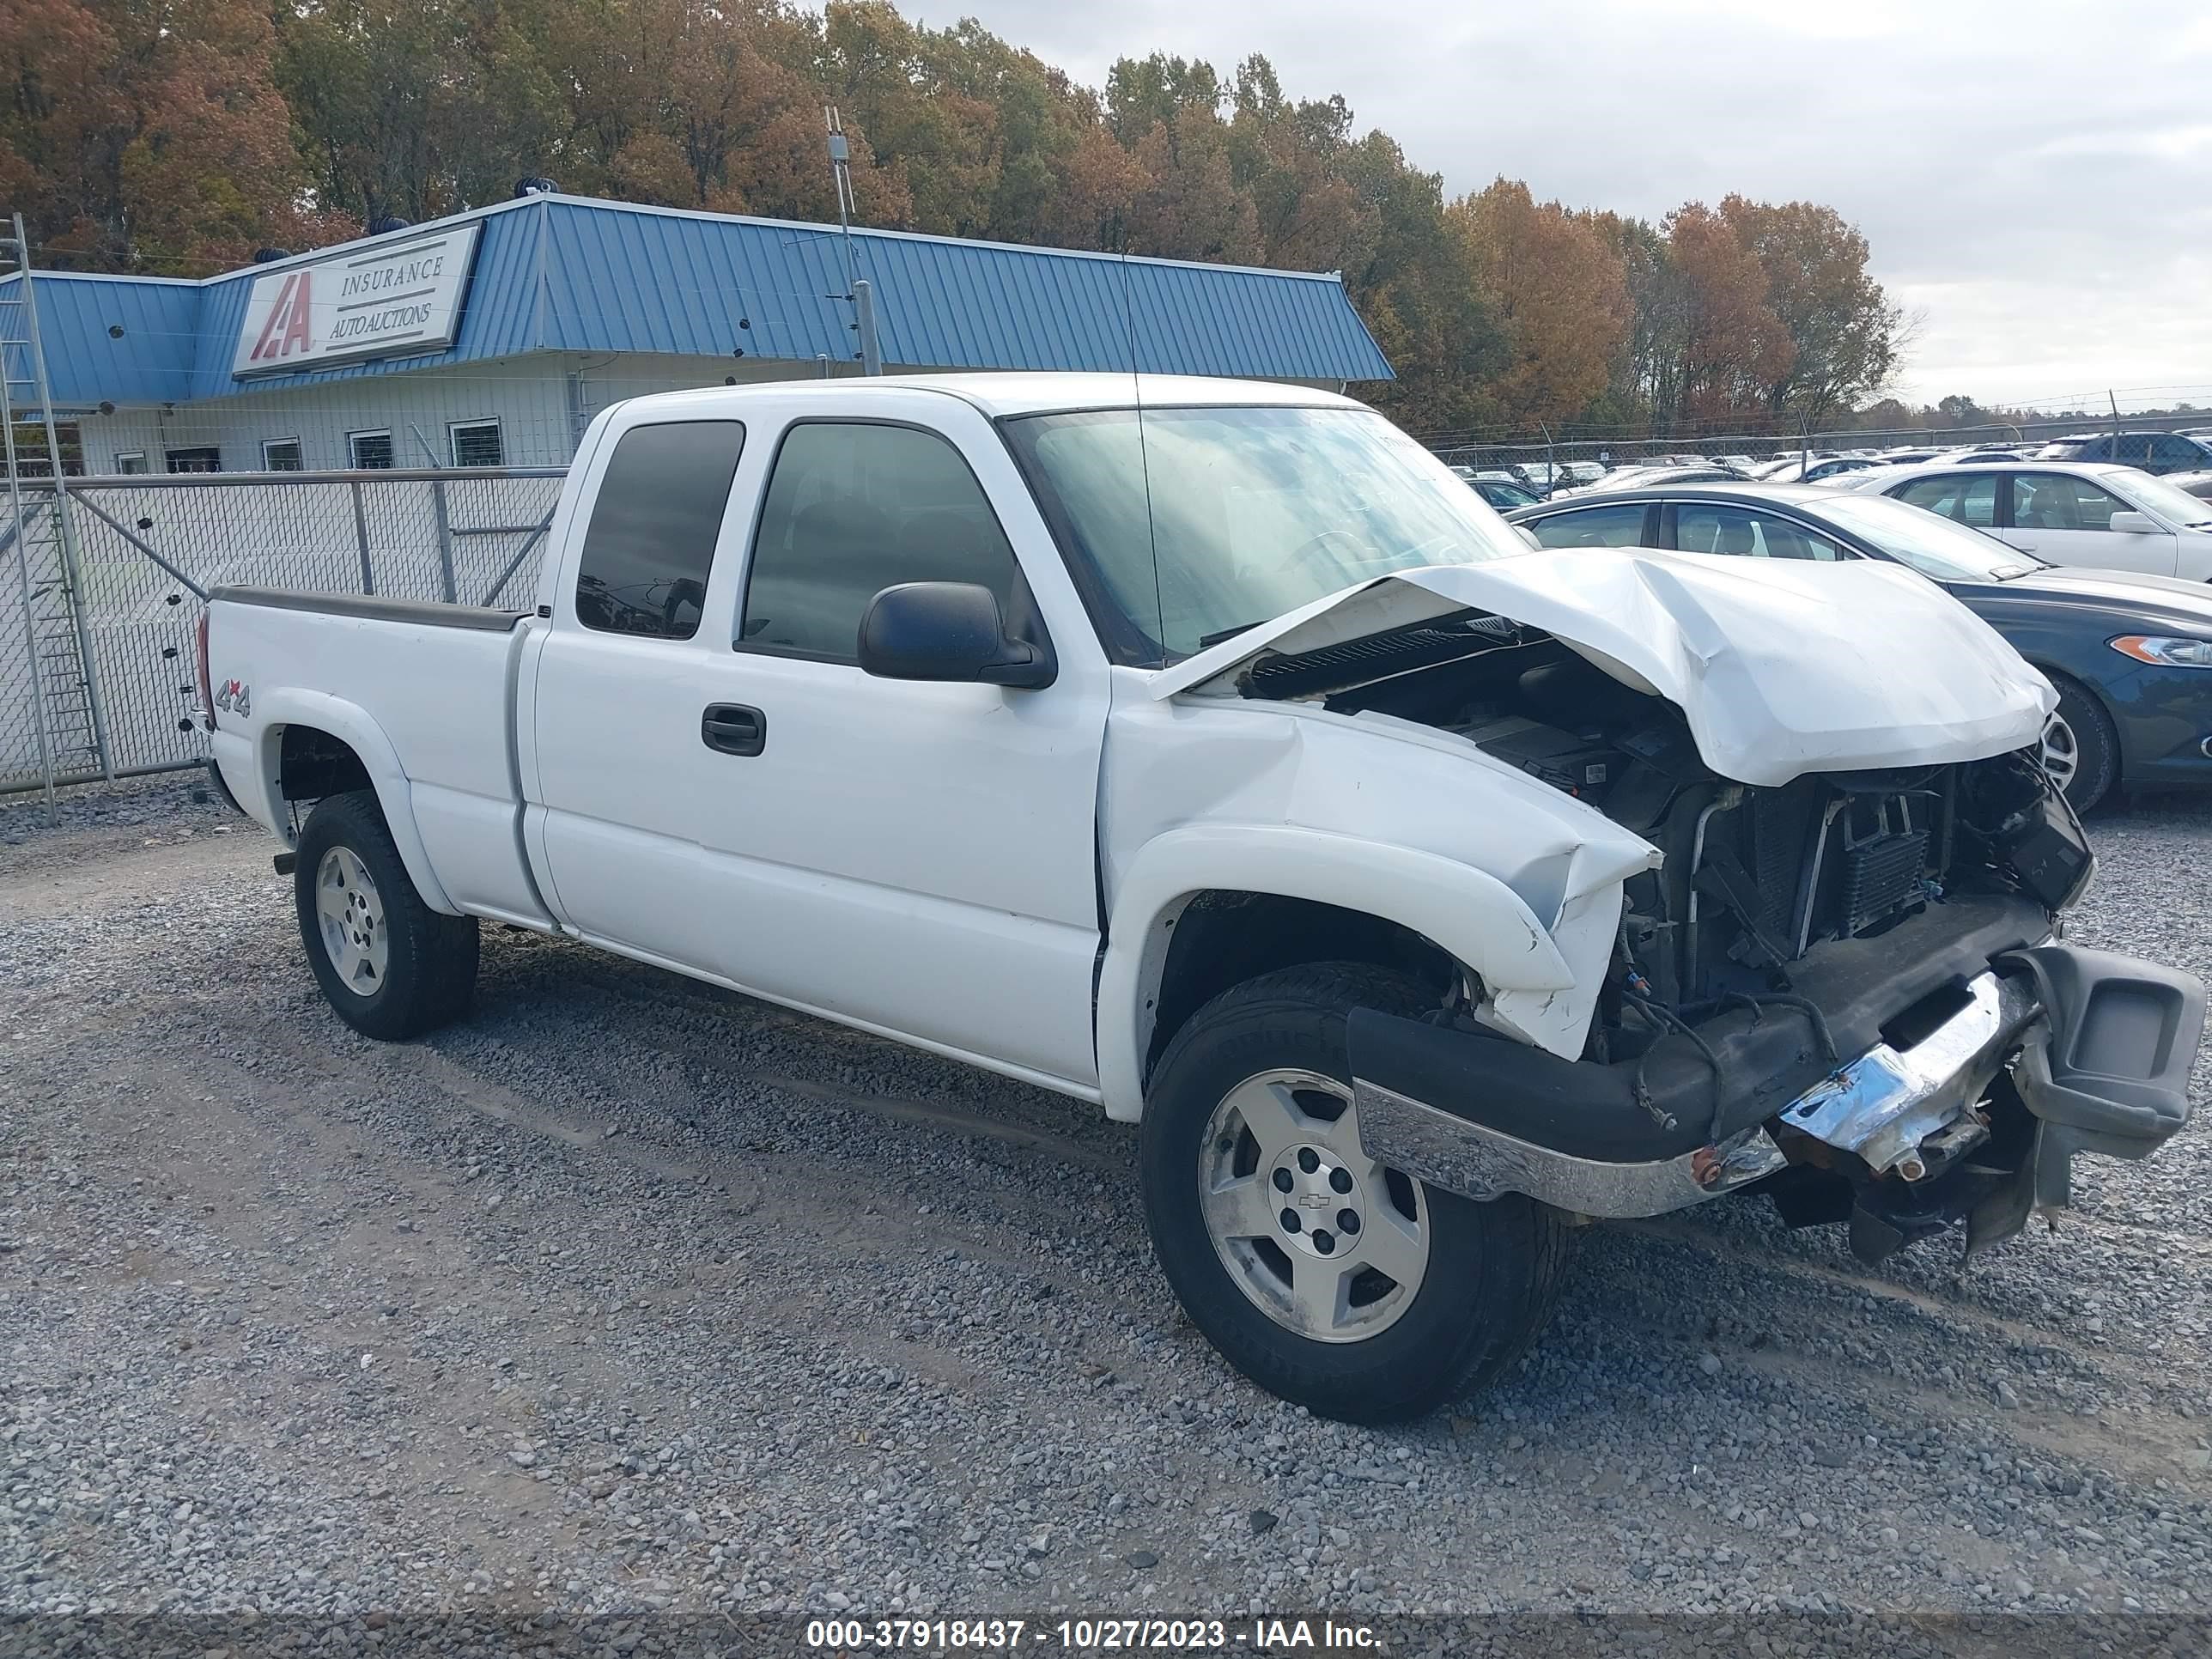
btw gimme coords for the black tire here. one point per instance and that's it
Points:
(1494, 1268)
(2097, 744)
(430, 965)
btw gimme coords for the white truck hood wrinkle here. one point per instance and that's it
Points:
(1782, 667)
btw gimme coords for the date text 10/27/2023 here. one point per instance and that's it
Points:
(1090, 1635)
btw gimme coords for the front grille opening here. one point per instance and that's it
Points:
(1910, 1029)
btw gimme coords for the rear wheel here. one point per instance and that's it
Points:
(1349, 1288)
(389, 965)
(2081, 750)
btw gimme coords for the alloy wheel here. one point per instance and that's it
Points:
(1316, 1234)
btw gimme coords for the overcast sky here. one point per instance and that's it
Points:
(2035, 177)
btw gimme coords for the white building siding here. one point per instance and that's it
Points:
(543, 402)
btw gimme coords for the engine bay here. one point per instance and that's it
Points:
(1756, 879)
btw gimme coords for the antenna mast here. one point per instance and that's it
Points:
(859, 289)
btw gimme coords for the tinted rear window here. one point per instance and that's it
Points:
(650, 542)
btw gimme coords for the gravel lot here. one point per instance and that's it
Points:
(629, 1295)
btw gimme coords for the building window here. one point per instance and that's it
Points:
(280, 454)
(130, 460)
(203, 457)
(475, 443)
(369, 451)
(32, 460)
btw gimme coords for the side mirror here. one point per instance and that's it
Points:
(948, 631)
(2133, 523)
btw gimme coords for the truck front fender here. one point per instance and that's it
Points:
(1465, 911)
(353, 725)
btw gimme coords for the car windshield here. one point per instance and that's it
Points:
(2170, 502)
(1199, 523)
(1932, 544)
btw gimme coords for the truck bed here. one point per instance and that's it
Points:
(424, 693)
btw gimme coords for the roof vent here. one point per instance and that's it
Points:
(535, 185)
(384, 224)
(267, 256)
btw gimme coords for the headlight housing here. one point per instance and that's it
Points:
(2165, 651)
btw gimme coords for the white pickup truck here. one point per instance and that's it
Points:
(1207, 750)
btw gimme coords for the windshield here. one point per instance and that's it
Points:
(1932, 544)
(2170, 502)
(1253, 512)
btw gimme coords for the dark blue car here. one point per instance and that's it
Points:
(2130, 655)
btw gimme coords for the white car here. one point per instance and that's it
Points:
(1224, 763)
(2077, 513)
(1832, 469)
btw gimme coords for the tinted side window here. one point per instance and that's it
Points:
(651, 540)
(852, 510)
(1734, 530)
(1593, 526)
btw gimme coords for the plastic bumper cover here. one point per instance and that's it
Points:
(2106, 1070)
(2100, 1047)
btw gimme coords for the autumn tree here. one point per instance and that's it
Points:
(414, 108)
(1558, 292)
(1734, 346)
(1844, 330)
(1414, 294)
(1291, 158)
(149, 134)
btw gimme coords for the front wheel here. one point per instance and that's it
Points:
(2081, 750)
(390, 965)
(1346, 1287)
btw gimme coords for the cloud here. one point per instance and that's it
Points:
(2031, 175)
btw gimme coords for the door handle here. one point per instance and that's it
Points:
(733, 728)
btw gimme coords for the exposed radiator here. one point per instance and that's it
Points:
(1881, 875)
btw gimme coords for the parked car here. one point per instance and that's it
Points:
(1541, 477)
(1628, 477)
(1817, 471)
(1504, 493)
(992, 713)
(2109, 518)
(2198, 485)
(2130, 656)
(2153, 452)
(1499, 487)
(1583, 472)
(1741, 463)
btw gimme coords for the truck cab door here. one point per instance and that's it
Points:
(609, 743)
(917, 858)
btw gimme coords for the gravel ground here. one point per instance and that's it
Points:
(628, 1295)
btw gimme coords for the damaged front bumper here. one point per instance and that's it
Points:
(1967, 1101)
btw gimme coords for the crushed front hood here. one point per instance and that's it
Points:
(1781, 667)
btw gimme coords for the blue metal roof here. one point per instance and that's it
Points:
(574, 274)
(149, 361)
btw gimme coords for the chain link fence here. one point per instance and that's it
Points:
(1482, 450)
(1525, 449)
(106, 583)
